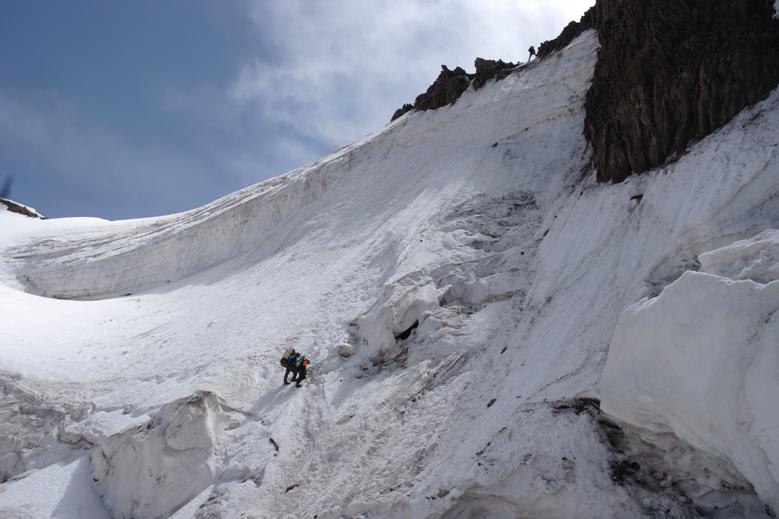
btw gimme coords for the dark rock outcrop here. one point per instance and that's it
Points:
(571, 31)
(450, 84)
(445, 90)
(20, 209)
(669, 73)
(487, 69)
(402, 110)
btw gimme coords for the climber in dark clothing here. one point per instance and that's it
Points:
(296, 364)
(532, 51)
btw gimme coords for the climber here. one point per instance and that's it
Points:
(532, 51)
(295, 363)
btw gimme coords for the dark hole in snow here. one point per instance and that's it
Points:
(622, 470)
(546, 232)
(503, 350)
(637, 198)
(489, 404)
(291, 487)
(405, 334)
(275, 445)
(613, 434)
(494, 144)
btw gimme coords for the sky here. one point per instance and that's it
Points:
(134, 109)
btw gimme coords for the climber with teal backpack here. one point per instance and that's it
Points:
(295, 363)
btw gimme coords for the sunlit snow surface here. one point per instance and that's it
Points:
(154, 356)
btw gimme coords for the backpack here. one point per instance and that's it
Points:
(285, 358)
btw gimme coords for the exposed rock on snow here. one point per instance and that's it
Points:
(18, 208)
(450, 84)
(445, 90)
(701, 360)
(401, 111)
(487, 69)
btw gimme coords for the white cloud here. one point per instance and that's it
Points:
(337, 70)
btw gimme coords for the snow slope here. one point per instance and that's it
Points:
(473, 267)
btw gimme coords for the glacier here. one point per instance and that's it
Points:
(493, 332)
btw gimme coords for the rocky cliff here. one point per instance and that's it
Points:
(669, 73)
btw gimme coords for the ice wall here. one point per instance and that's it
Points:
(127, 257)
(702, 360)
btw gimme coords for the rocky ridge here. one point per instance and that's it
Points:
(667, 74)
(15, 207)
(450, 84)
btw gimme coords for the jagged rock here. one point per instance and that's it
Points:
(669, 73)
(571, 31)
(487, 69)
(450, 84)
(445, 90)
(402, 110)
